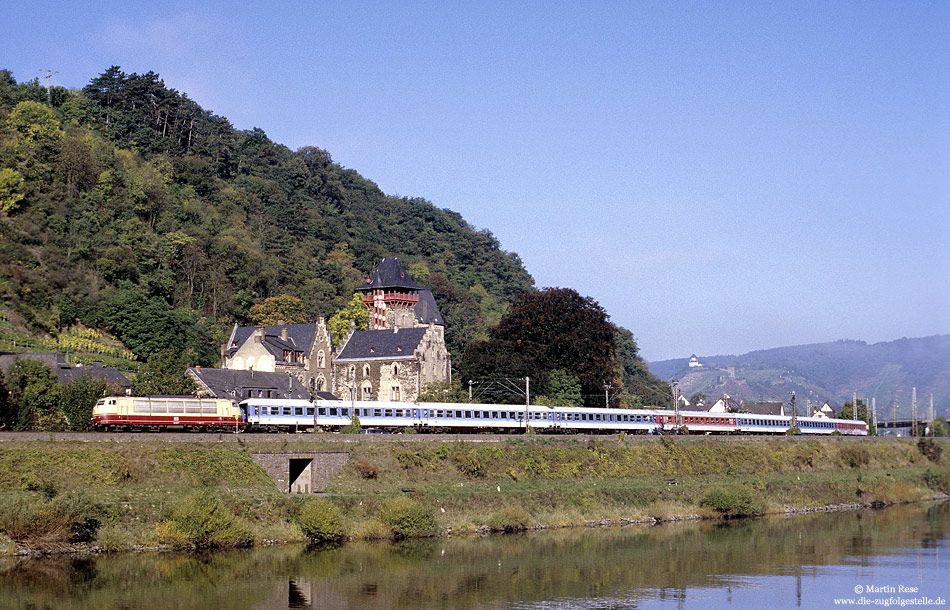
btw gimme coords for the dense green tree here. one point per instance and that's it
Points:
(339, 323)
(555, 328)
(148, 326)
(11, 190)
(283, 308)
(34, 391)
(164, 373)
(443, 391)
(564, 390)
(128, 206)
(77, 399)
(848, 411)
(7, 407)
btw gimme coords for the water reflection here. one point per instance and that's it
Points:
(803, 561)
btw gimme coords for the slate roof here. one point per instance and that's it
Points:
(427, 312)
(228, 383)
(761, 408)
(382, 344)
(67, 374)
(300, 338)
(390, 274)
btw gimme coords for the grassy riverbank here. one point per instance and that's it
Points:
(124, 495)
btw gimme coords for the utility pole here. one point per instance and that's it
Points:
(527, 400)
(794, 411)
(606, 395)
(676, 406)
(874, 413)
(931, 415)
(49, 92)
(913, 412)
(470, 390)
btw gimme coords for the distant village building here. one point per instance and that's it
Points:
(302, 350)
(762, 407)
(694, 362)
(824, 410)
(403, 350)
(726, 404)
(66, 373)
(242, 384)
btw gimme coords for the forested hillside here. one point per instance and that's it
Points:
(127, 208)
(128, 204)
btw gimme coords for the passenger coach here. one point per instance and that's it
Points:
(301, 415)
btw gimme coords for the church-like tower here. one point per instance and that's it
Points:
(391, 296)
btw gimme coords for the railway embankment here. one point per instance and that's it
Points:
(116, 492)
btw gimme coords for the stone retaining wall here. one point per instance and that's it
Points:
(316, 468)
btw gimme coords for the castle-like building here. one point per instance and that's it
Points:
(403, 350)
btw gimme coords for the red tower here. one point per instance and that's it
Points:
(390, 295)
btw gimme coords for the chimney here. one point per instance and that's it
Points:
(283, 333)
(259, 335)
(198, 368)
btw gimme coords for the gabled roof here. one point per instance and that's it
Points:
(382, 344)
(390, 274)
(761, 408)
(228, 383)
(300, 337)
(67, 374)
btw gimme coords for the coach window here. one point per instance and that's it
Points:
(310, 410)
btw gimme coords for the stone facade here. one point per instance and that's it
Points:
(391, 365)
(403, 351)
(304, 472)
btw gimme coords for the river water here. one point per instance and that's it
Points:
(894, 557)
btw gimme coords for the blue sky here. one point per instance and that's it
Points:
(721, 177)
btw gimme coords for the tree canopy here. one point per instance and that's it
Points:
(128, 186)
(555, 336)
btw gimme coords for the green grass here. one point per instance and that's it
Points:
(418, 488)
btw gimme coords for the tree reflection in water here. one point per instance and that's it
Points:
(575, 568)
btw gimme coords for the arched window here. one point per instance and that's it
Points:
(395, 370)
(321, 384)
(321, 359)
(365, 370)
(366, 391)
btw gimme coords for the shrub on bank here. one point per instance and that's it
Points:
(407, 518)
(732, 502)
(509, 519)
(49, 523)
(203, 521)
(321, 521)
